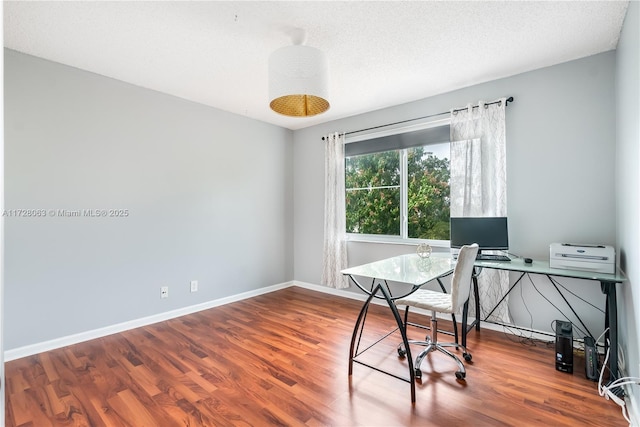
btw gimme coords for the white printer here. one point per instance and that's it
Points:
(596, 258)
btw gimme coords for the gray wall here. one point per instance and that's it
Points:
(560, 167)
(209, 196)
(628, 188)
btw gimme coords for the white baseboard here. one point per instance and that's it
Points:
(32, 349)
(339, 292)
(352, 295)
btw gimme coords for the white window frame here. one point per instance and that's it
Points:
(404, 185)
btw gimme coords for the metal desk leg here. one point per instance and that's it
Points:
(476, 293)
(405, 341)
(476, 297)
(465, 312)
(611, 321)
(359, 327)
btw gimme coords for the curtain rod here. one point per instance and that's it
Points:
(508, 100)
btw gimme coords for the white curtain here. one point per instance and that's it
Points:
(479, 184)
(334, 253)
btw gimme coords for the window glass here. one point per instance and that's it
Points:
(372, 183)
(428, 192)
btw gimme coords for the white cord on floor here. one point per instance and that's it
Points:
(606, 390)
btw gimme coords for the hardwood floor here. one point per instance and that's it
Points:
(282, 359)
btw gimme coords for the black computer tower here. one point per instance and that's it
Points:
(564, 346)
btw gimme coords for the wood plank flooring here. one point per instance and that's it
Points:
(282, 359)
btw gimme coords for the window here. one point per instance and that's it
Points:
(397, 185)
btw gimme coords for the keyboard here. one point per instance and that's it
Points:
(487, 257)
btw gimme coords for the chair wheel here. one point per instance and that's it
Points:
(402, 352)
(467, 357)
(418, 374)
(460, 375)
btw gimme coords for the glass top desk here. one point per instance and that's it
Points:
(408, 269)
(607, 285)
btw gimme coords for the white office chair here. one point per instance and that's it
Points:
(439, 302)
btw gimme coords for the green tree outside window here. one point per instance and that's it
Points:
(373, 194)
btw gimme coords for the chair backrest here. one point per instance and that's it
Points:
(461, 280)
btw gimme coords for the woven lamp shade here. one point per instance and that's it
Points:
(298, 81)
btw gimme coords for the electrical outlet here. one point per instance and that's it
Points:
(164, 292)
(194, 286)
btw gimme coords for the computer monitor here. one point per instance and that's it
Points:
(490, 233)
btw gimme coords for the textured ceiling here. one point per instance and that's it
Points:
(380, 53)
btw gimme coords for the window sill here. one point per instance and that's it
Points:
(392, 240)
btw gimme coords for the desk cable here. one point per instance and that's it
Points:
(606, 390)
(574, 294)
(523, 339)
(556, 307)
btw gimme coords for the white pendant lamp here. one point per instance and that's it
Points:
(298, 79)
